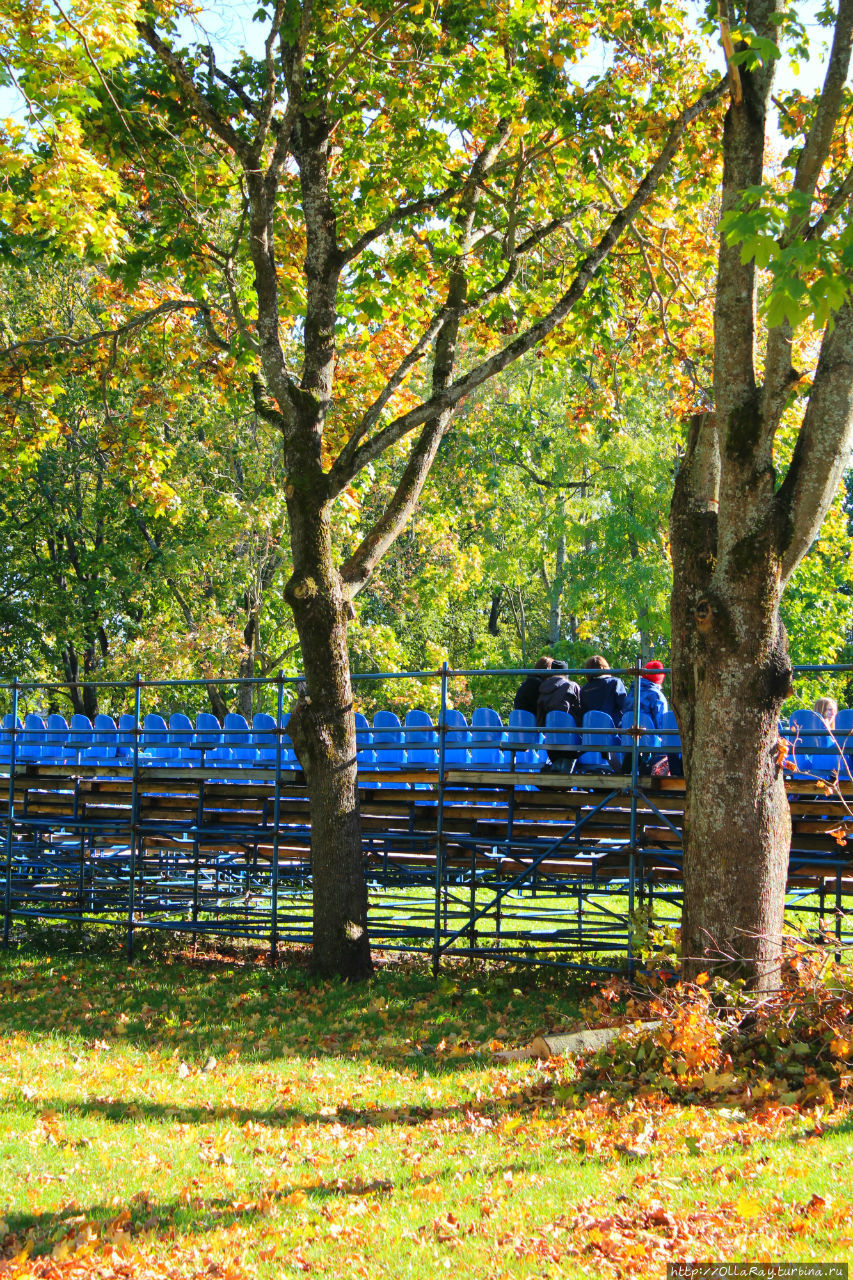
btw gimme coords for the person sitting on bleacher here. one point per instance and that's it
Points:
(827, 709)
(602, 692)
(652, 701)
(558, 693)
(528, 691)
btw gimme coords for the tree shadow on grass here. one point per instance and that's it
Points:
(198, 1214)
(203, 1009)
(189, 1214)
(143, 1110)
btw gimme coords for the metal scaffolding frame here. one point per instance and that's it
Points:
(511, 863)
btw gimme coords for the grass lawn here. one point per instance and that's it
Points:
(208, 1116)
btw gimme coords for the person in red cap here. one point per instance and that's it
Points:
(652, 701)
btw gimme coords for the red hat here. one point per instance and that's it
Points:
(654, 671)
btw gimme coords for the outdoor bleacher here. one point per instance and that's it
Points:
(471, 841)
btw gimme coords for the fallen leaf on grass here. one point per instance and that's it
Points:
(748, 1206)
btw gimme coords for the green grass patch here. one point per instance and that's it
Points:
(211, 1116)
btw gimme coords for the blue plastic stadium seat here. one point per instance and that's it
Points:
(208, 733)
(487, 728)
(235, 731)
(388, 740)
(522, 740)
(670, 740)
(366, 759)
(155, 731)
(80, 735)
(181, 735)
(154, 742)
(219, 756)
(55, 738)
(844, 738)
(421, 740)
(485, 739)
(648, 741)
(814, 752)
(455, 740)
(31, 739)
(264, 739)
(288, 755)
(560, 732)
(597, 739)
(363, 736)
(6, 739)
(104, 741)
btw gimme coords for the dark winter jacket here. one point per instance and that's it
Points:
(652, 702)
(604, 693)
(558, 693)
(528, 693)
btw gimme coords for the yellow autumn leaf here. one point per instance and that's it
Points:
(747, 1206)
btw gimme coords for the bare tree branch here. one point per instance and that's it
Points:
(293, 61)
(205, 109)
(398, 215)
(537, 332)
(822, 451)
(338, 475)
(834, 205)
(357, 569)
(819, 140)
(265, 116)
(68, 343)
(779, 376)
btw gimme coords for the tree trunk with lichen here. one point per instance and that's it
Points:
(322, 729)
(731, 673)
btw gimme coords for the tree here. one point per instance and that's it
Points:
(140, 512)
(392, 187)
(741, 521)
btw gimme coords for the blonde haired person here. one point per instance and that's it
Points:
(827, 709)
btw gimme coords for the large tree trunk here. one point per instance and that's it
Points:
(731, 673)
(322, 728)
(737, 830)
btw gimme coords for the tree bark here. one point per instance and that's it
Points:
(82, 694)
(555, 609)
(731, 674)
(322, 728)
(495, 611)
(245, 692)
(218, 705)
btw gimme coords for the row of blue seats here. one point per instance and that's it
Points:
(485, 743)
(178, 743)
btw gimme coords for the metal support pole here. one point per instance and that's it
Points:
(134, 814)
(632, 848)
(276, 818)
(439, 822)
(10, 818)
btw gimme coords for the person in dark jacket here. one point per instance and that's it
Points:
(528, 691)
(602, 692)
(558, 693)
